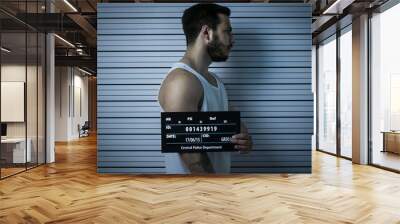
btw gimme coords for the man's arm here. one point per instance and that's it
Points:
(182, 92)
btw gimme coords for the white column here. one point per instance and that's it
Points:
(50, 91)
(314, 90)
(360, 90)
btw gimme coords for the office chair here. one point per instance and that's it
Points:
(84, 130)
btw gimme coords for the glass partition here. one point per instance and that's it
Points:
(13, 94)
(22, 78)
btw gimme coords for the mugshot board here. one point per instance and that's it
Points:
(267, 77)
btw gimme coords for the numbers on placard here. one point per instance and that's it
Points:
(201, 128)
(191, 140)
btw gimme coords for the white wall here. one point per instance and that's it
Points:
(17, 73)
(79, 117)
(14, 73)
(62, 82)
(70, 83)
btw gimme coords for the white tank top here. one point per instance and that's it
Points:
(215, 98)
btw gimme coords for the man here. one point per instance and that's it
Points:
(190, 87)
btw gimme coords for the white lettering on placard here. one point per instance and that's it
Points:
(200, 128)
(167, 119)
(189, 118)
(212, 147)
(191, 139)
(170, 136)
(225, 139)
(168, 127)
(213, 118)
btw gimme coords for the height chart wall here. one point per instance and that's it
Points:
(267, 76)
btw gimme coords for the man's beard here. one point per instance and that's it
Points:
(215, 50)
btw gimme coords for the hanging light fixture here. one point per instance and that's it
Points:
(70, 5)
(5, 50)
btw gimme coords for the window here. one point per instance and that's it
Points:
(385, 88)
(327, 95)
(346, 92)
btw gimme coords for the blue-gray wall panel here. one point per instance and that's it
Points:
(268, 78)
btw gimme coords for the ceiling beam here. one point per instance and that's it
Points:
(82, 61)
(89, 30)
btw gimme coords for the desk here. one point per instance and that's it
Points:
(18, 150)
(391, 141)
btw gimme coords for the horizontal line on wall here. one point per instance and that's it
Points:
(126, 100)
(248, 167)
(229, 100)
(253, 128)
(124, 84)
(241, 117)
(234, 84)
(297, 83)
(147, 167)
(184, 51)
(151, 136)
(178, 34)
(231, 17)
(167, 57)
(212, 67)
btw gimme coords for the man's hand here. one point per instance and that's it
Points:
(243, 141)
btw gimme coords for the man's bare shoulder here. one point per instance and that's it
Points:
(180, 89)
(182, 76)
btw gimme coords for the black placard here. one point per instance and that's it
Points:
(199, 131)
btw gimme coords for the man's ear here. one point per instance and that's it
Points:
(206, 33)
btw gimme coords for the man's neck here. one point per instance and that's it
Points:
(197, 58)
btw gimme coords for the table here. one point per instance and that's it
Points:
(391, 141)
(19, 155)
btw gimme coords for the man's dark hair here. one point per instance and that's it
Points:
(199, 15)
